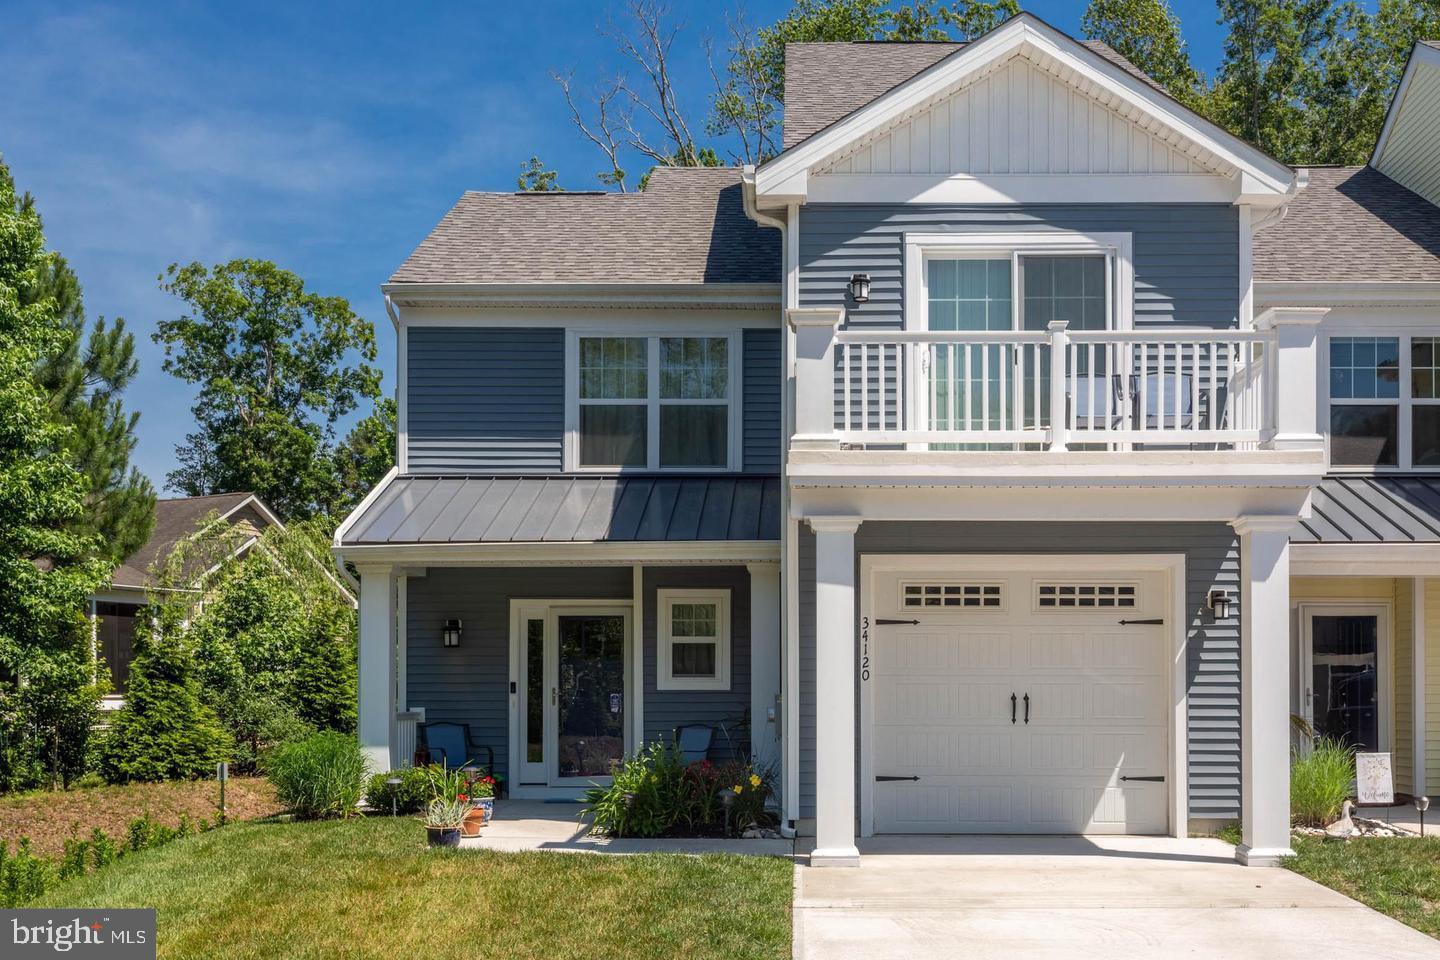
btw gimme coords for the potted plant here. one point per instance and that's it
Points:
(481, 791)
(444, 822)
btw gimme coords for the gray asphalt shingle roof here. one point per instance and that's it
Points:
(826, 81)
(1373, 509)
(687, 227)
(568, 509)
(175, 520)
(1351, 224)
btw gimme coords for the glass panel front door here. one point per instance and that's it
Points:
(590, 686)
(1345, 664)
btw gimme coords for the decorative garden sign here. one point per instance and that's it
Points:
(1374, 782)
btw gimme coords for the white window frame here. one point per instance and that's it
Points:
(1404, 428)
(665, 599)
(653, 402)
(921, 248)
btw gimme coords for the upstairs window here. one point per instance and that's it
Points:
(654, 402)
(1365, 401)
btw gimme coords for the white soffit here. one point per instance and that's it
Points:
(1206, 147)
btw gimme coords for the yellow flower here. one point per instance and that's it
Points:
(754, 780)
(736, 788)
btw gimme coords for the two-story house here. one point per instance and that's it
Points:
(949, 462)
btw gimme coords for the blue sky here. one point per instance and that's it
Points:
(327, 137)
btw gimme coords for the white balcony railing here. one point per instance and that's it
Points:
(1053, 390)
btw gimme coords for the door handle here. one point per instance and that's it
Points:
(554, 696)
(1027, 708)
(1012, 708)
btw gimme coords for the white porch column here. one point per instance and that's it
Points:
(1419, 640)
(765, 663)
(377, 664)
(1264, 689)
(1294, 392)
(835, 692)
(814, 375)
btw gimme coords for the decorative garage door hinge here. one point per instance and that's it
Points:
(1145, 779)
(1136, 623)
(880, 622)
(885, 779)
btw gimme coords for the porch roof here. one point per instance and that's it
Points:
(500, 509)
(1373, 509)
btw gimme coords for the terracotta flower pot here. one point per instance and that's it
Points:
(474, 820)
(443, 836)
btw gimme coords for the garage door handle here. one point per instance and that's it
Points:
(882, 779)
(1145, 779)
(1012, 708)
(1027, 708)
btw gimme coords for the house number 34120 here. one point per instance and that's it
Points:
(864, 649)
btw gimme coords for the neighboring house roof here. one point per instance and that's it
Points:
(569, 509)
(688, 226)
(1351, 224)
(1373, 509)
(177, 519)
(826, 81)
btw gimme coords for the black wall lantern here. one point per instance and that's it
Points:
(1220, 602)
(860, 287)
(451, 634)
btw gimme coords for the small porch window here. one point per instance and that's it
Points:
(693, 640)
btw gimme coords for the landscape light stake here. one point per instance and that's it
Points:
(222, 773)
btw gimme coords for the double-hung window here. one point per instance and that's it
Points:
(693, 652)
(1385, 401)
(654, 402)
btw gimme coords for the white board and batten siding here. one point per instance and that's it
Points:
(1017, 120)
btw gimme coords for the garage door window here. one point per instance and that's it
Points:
(974, 595)
(1084, 596)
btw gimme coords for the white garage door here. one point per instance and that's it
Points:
(1020, 702)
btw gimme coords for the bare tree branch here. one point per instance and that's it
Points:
(607, 131)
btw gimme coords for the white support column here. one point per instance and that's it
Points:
(636, 706)
(814, 375)
(765, 663)
(1264, 689)
(1295, 392)
(377, 664)
(1417, 632)
(835, 692)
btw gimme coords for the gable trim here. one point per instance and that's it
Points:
(1421, 53)
(786, 175)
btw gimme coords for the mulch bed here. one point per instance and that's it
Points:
(48, 818)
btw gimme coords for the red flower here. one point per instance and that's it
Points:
(461, 797)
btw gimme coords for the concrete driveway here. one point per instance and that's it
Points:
(1039, 898)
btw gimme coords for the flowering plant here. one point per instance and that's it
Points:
(480, 786)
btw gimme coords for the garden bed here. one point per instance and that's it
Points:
(48, 818)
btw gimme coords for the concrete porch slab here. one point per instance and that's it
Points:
(536, 825)
(1062, 897)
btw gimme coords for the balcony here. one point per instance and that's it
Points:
(1098, 402)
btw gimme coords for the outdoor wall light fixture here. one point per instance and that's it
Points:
(1220, 602)
(860, 287)
(451, 634)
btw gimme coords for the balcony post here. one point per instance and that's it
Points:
(814, 375)
(1292, 395)
(1059, 360)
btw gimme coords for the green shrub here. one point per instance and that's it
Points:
(1320, 782)
(164, 731)
(23, 876)
(646, 798)
(410, 795)
(260, 723)
(46, 722)
(319, 777)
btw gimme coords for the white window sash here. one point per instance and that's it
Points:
(665, 601)
(1404, 425)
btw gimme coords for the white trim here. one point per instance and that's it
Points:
(1419, 53)
(1404, 400)
(645, 318)
(653, 402)
(1171, 565)
(364, 505)
(402, 645)
(1364, 559)
(402, 398)
(566, 553)
(1375, 293)
(260, 508)
(1023, 35)
(558, 787)
(665, 599)
(1022, 188)
(1418, 640)
(1384, 613)
(720, 296)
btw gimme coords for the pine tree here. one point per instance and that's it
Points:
(47, 569)
(84, 380)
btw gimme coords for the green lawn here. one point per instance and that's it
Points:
(369, 888)
(1397, 877)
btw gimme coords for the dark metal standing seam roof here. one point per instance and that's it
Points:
(1373, 509)
(569, 509)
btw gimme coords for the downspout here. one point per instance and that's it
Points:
(789, 299)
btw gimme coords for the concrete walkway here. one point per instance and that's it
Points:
(1044, 898)
(537, 825)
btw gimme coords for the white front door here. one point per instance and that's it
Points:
(1019, 702)
(571, 693)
